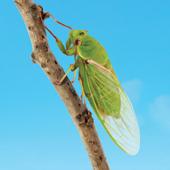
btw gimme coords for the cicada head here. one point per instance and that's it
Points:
(77, 35)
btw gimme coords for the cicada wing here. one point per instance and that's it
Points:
(106, 95)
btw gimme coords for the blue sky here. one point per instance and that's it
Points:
(36, 131)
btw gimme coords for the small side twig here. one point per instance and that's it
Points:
(42, 55)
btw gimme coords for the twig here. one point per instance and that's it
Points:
(42, 55)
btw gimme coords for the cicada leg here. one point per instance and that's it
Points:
(57, 21)
(71, 68)
(67, 51)
(74, 77)
(82, 91)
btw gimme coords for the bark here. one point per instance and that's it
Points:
(42, 55)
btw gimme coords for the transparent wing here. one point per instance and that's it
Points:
(113, 107)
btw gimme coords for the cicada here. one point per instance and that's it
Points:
(102, 89)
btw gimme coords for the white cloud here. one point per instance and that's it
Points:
(160, 110)
(133, 89)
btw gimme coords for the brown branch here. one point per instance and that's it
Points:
(42, 55)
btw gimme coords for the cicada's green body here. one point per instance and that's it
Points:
(103, 90)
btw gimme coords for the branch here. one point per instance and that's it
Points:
(42, 55)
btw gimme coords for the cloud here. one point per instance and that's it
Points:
(160, 110)
(133, 89)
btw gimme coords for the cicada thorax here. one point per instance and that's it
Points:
(89, 48)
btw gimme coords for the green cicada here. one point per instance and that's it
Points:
(102, 89)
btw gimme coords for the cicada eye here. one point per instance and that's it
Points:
(81, 33)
